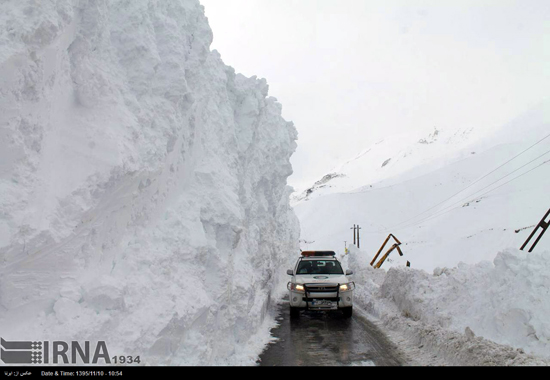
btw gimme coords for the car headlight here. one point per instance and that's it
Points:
(295, 287)
(346, 287)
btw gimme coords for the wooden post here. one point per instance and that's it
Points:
(380, 250)
(379, 263)
(358, 228)
(395, 246)
(353, 233)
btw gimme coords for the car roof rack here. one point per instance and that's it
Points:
(318, 253)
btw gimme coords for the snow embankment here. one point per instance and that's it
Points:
(143, 197)
(472, 314)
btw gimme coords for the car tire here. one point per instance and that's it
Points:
(294, 312)
(347, 311)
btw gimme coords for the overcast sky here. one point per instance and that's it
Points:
(348, 72)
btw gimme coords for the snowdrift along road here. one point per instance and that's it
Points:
(143, 196)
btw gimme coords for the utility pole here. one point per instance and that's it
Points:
(358, 228)
(542, 224)
(353, 228)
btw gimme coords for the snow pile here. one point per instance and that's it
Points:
(481, 314)
(143, 196)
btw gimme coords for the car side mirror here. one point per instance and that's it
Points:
(349, 272)
(289, 272)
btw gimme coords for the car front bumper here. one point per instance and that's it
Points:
(321, 300)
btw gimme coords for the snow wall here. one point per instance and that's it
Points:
(143, 196)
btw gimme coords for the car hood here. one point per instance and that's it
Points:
(321, 279)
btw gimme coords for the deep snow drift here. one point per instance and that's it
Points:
(143, 196)
(473, 314)
(461, 204)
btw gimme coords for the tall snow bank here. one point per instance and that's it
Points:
(143, 196)
(482, 314)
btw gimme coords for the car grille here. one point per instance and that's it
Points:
(321, 288)
(318, 292)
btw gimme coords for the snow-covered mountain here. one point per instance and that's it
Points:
(393, 156)
(461, 203)
(143, 196)
(407, 184)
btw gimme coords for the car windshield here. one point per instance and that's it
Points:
(319, 267)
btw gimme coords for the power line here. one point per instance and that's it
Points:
(501, 178)
(446, 210)
(473, 183)
(521, 175)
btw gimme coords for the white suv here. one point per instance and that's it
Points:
(319, 283)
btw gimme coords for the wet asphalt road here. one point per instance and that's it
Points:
(328, 339)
